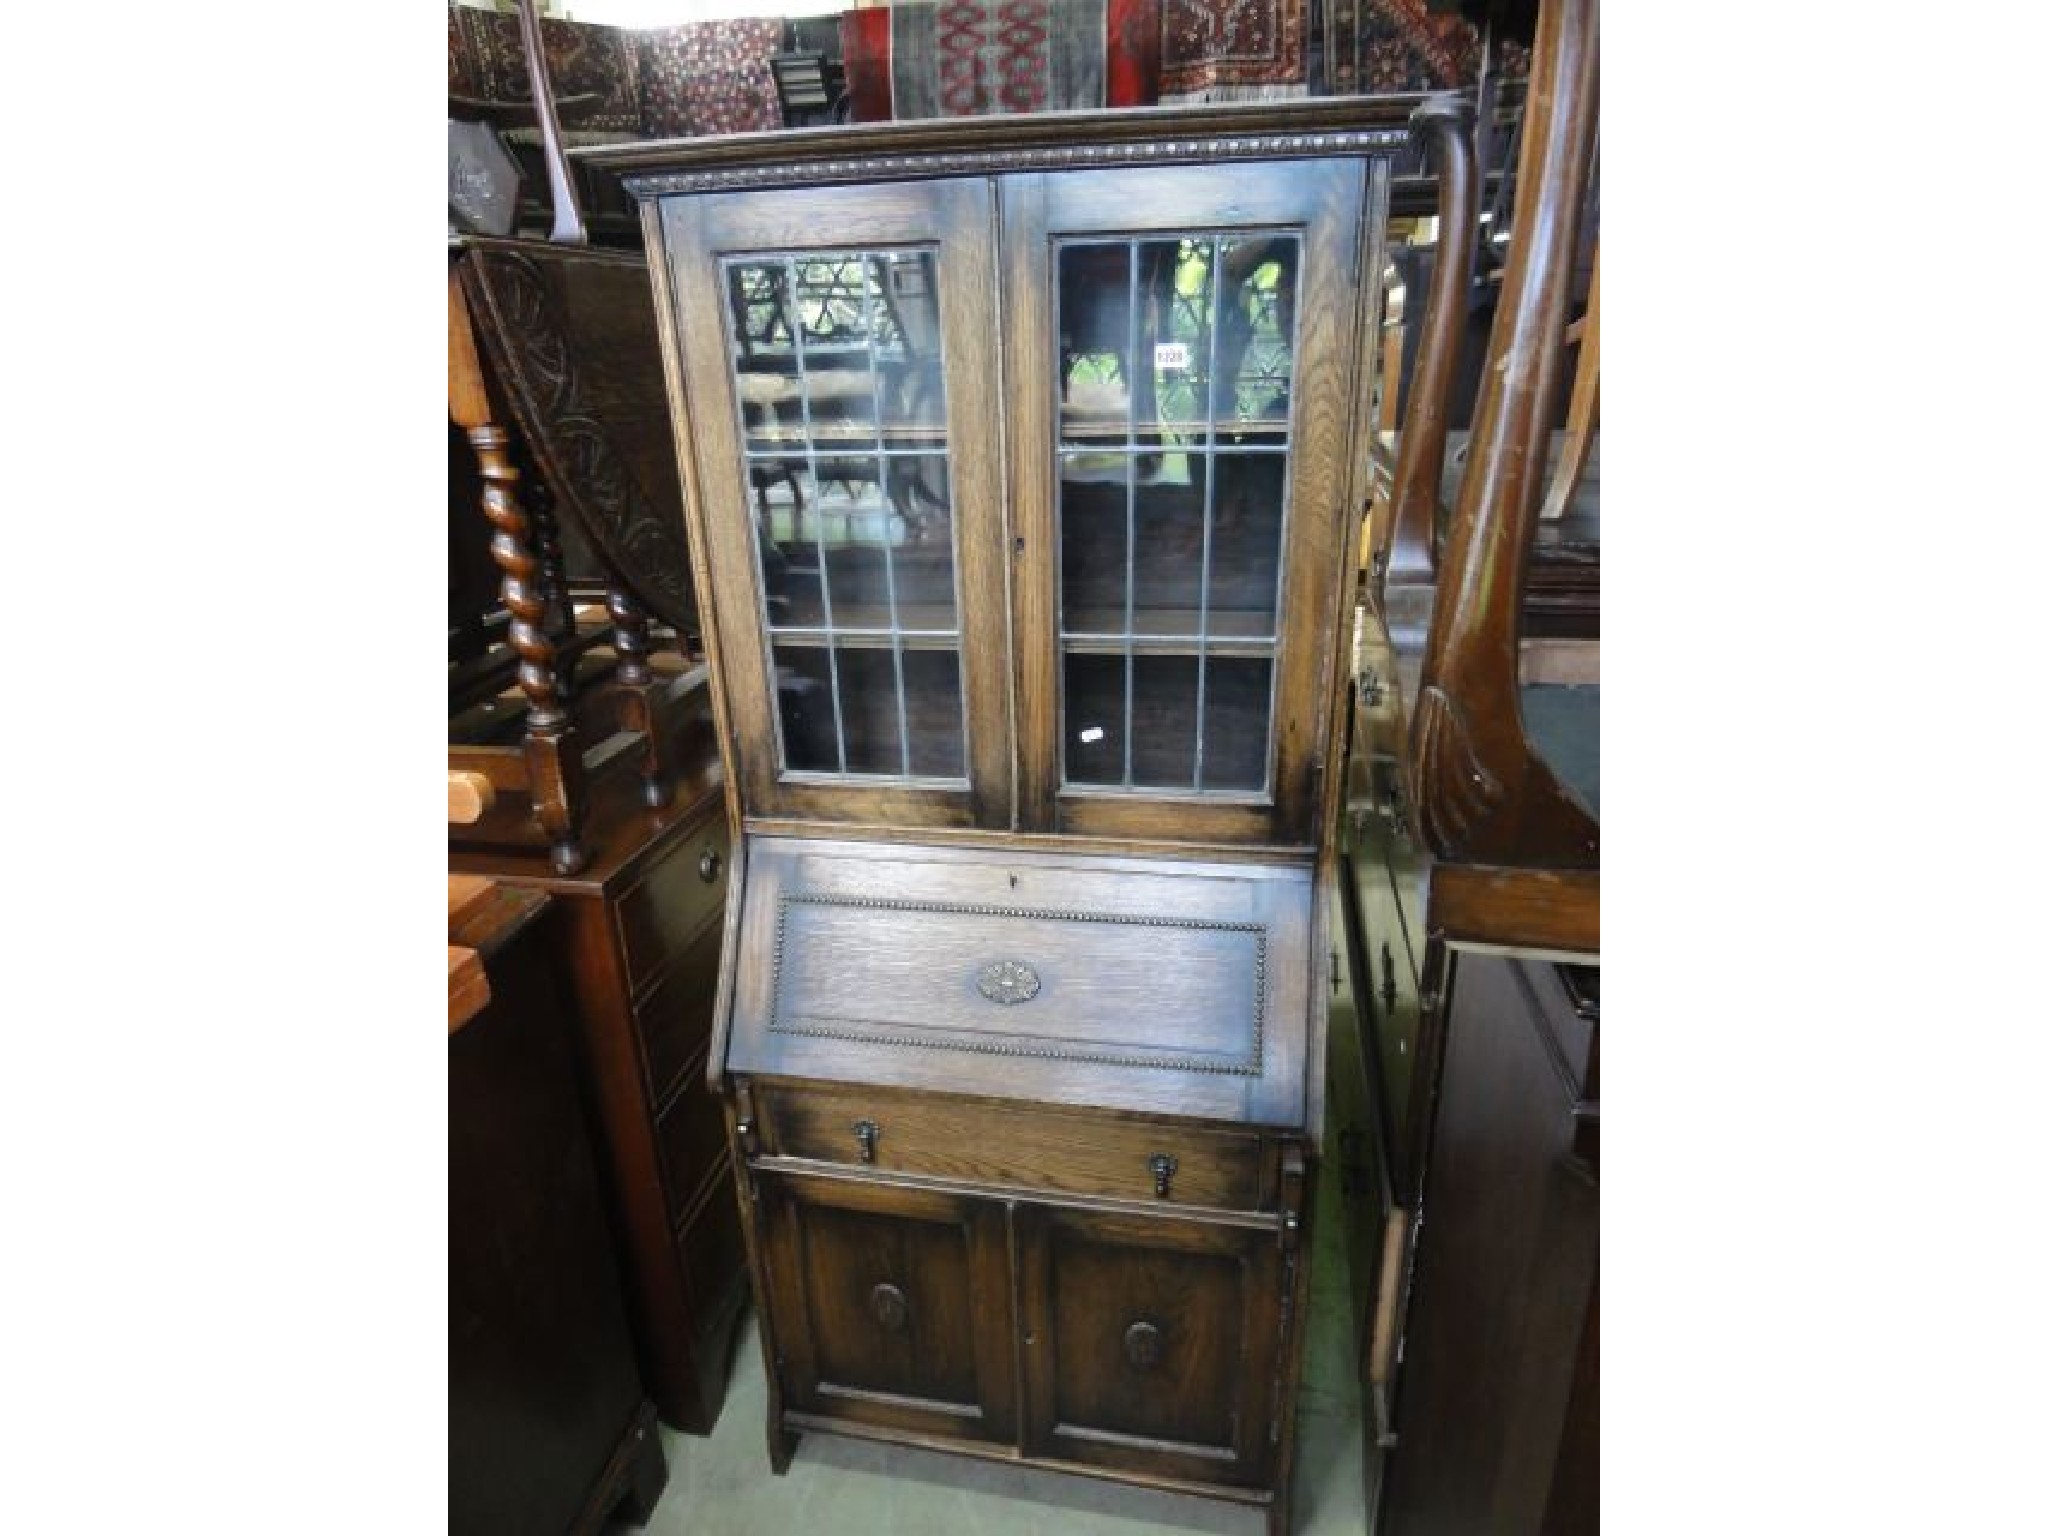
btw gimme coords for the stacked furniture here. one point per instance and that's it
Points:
(1021, 460)
(605, 791)
(553, 379)
(1472, 889)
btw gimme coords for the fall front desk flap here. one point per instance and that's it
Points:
(1139, 984)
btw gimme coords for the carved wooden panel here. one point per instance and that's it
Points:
(892, 1306)
(1153, 1344)
(571, 334)
(845, 968)
(1152, 985)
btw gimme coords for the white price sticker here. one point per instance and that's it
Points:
(1091, 735)
(1171, 355)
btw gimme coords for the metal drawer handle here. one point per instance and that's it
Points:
(1163, 1165)
(866, 1133)
(707, 867)
(1142, 1345)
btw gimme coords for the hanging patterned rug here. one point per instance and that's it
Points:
(1395, 45)
(972, 58)
(709, 77)
(1233, 50)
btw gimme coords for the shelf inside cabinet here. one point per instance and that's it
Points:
(1168, 631)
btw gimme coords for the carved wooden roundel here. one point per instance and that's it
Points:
(890, 1306)
(1008, 981)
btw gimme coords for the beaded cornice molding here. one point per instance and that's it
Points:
(1031, 157)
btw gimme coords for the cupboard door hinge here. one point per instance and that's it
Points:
(1293, 1185)
(746, 1128)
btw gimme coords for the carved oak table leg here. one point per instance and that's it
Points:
(554, 759)
(554, 579)
(638, 692)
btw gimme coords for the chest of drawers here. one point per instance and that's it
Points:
(640, 931)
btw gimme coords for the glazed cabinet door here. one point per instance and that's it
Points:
(1151, 1345)
(837, 351)
(1181, 384)
(891, 1307)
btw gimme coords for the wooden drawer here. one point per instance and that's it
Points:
(712, 1246)
(691, 1131)
(980, 1141)
(675, 1018)
(673, 900)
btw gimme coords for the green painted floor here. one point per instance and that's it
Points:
(720, 1485)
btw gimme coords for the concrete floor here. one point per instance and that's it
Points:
(720, 1485)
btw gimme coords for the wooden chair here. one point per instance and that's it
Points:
(1473, 926)
(1483, 796)
(1407, 546)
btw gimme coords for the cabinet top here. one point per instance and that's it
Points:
(978, 146)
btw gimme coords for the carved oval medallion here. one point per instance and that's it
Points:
(891, 1307)
(1142, 1344)
(1008, 981)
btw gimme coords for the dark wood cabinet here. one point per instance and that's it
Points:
(549, 1428)
(1021, 462)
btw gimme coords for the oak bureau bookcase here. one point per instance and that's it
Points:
(1022, 462)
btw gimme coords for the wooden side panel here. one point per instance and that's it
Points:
(1506, 1268)
(541, 1378)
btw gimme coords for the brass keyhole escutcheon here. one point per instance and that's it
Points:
(1143, 1344)
(890, 1306)
(866, 1132)
(1163, 1165)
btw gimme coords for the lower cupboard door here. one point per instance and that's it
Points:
(1151, 1344)
(891, 1307)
